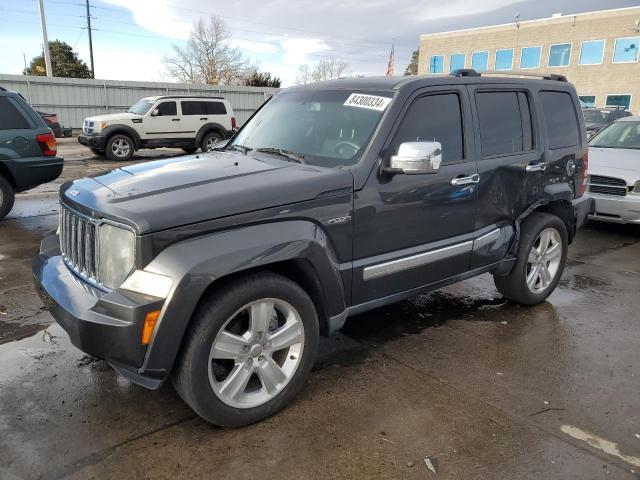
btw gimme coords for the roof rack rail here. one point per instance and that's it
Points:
(470, 72)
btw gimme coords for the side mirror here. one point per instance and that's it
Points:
(416, 158)
(155, 112)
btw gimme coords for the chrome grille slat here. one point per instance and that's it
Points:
(78, 243)
(607, 185)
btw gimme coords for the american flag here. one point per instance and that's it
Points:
(390, 66)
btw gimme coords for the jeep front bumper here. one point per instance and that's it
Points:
(93, 141)
(105, 325)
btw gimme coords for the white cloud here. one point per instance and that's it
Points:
(297, 49)
(256, 46)
(157, 17)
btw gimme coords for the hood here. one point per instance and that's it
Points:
(113, 116)
(615, 162)
(168, 193)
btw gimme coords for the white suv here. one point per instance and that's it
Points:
(168, 121)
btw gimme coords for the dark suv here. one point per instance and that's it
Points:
(220, 271)
(28, 149)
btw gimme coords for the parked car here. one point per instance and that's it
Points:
(28, 149)
(51, 119)
(596, 119)
(169, 121)
(220, 271)
(614, 172)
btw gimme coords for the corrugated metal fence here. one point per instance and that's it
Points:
(73, 99)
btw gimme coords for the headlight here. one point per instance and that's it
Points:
(148, 283)
(100, 126)
(116, 247)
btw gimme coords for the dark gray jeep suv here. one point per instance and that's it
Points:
(220, 271)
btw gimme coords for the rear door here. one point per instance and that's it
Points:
(511, 165)
(198, 113)
(162, 121)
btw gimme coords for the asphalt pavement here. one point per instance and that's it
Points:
(479, 386)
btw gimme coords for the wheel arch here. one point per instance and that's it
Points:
(210, 127)
(125, 129)
(6, 173)
(297, 250)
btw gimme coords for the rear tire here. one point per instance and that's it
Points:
(236, 367)
(119, 147)
(209, 140)
(7, 197)
(98, 153)
(542, 254)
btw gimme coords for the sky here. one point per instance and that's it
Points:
(131, 37)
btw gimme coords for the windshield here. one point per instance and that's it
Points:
(327, 128)
(596, 116)
(140, 107)
(619, 135)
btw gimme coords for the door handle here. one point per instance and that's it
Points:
(536, 167)
(203, 118)
(175, 119)
(475, 178)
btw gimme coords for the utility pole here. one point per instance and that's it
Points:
(47, 57)
(93, 73)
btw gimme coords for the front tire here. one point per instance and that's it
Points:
(7, 197)
(120, 147)
(542, 255)
(249, 349)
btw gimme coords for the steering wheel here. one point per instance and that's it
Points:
(341, 146)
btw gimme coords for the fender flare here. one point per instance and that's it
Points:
(121, 128)
(210, 127)
(194, 264)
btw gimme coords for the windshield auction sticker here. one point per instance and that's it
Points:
(371, 102)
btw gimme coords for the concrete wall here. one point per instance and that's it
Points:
(74, 99)
(598, 80)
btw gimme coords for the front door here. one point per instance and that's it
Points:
(162, 122)
(413, 230)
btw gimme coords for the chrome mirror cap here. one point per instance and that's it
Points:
(417, 157)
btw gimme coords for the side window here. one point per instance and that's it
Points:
(505, 123)
(215, 108)
(166, 109)
(192, 108)
(10, 116)
(561, 120)
(431, 118)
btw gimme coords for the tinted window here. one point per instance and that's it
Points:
(588, 100)
(561, 119)
(456, 61)
(559, 55)
(203, 108)
(434, 118)
(167, 109)
(505, 123)
(626, 50)
(504, 59)
(530, 57)
(436, 64)
(619, 100)
(480, 61)
(592, 52)
(10, 116)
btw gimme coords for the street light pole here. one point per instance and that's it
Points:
(93, 73)
(47, 57)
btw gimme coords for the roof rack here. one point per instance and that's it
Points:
(470, 72)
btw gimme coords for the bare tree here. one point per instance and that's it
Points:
(329, 69)
(208, 57)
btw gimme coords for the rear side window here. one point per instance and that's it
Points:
(561, 119)
(10, 116)
(434, 118)
(505, 123)
(203, 108)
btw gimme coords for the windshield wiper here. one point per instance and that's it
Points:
(240, 148)
(294, 157)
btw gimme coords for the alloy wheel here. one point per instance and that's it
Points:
(544, 260)
(256, 353)
(120, 148)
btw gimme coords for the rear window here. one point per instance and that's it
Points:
(505, 123)
(10, 116)
(562, 122)
(203, 108)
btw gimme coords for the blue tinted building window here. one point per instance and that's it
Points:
(622, 100)
(560, 55)
(626, 50)
(530, 57)
(592, 52)
(436, 64)
(480, 61)
(504, 59)
(456, 61)
(587, 100)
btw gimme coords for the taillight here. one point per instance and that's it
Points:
(48, 144)
(234, 125)
(585, 167)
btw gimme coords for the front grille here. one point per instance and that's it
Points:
(87, 127)
(79, 244)
(607, 185)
